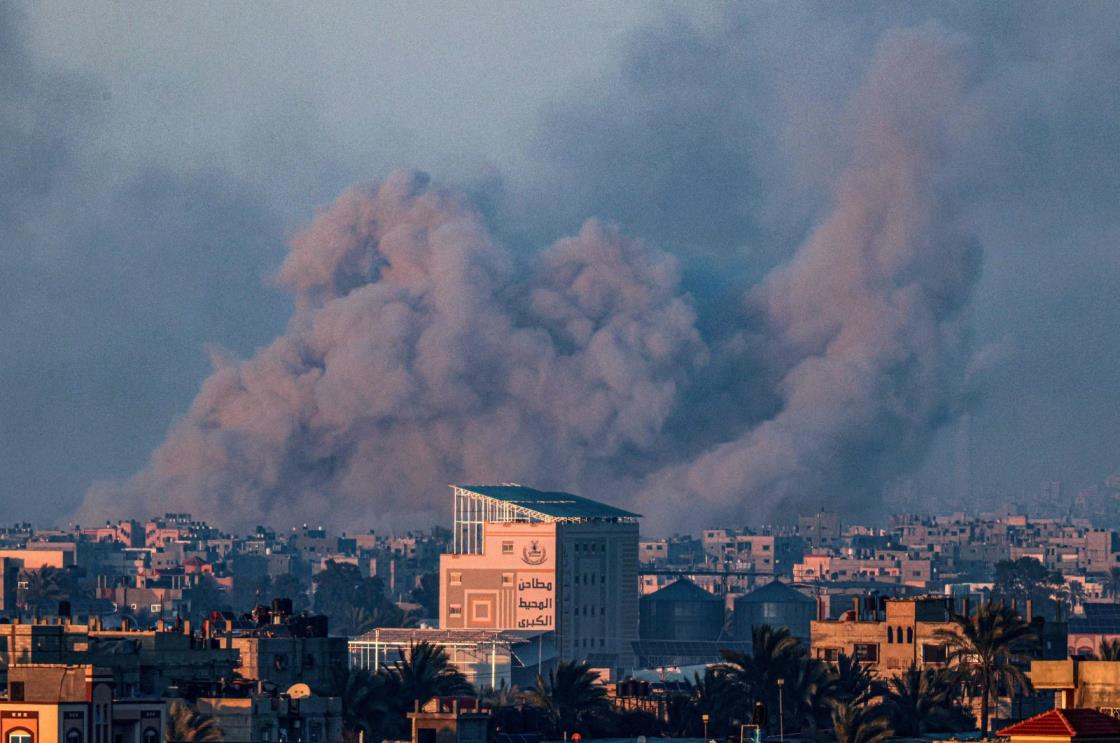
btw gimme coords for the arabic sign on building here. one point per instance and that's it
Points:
(511, 585)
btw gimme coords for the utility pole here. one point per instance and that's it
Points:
(781, 714)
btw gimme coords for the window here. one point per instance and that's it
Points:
(15, 691)
(933, 653)
(455, 610)
(507, 548)
(456, 579)
(19, 736)
(151, 735)
(866, 652)
(73, 735)
(507, 579)
(909, 635)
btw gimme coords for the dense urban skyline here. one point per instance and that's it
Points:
(846, 246)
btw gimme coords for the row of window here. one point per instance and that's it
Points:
(868, 652)
(895, 635)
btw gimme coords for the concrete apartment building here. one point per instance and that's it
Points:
(139, 661)
(881, 566)
(889, 636)
(75, 704)
(524, 559)
(296, 715)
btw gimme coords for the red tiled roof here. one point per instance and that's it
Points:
(1067, 723)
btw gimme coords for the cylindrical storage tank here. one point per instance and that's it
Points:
(775, 604)
(680, 611)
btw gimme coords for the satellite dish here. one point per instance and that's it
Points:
(299, 691)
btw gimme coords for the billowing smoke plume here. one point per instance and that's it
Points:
(423, 352)
(420, 354)
(864, 325)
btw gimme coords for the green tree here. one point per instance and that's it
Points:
(341, 587)
(187, 725)
(571, 698)
(1108, 650)
(855, 723)
(39, 586)
(250, 591)
(925, 701)
(775, 654)
(369, 704)
(427, 594)
(357, 620)
(708, 694)
(1113, 586)
(425, 672)
(851, 681)
(288, 586)
(1025, 578)
(986, 652)
(205, 597)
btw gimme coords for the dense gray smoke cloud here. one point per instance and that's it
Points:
(865, 323)
(815, 186)
(422, 352)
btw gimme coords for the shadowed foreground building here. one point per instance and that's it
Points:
(525, 559)
(49, 703)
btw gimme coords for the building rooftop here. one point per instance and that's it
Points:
(1066, 723)
(681, 589)
(774, 593)
(553, 505)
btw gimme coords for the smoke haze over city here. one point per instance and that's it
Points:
(755, 261)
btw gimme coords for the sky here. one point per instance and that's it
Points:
(773, 181)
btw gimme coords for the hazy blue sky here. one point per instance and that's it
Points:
(156, 157)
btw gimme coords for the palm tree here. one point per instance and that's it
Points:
(368, 702)
(852, 723)
(924, 701)
(1076, 593)
(806, 694)
(41, 585)
(1109, 650)
(710, 694)
(775, 654)
(357, 620)
(851, 681)
(986, 652)
(426, 672)
(1114, 584)
(570, 696)
(187, 725)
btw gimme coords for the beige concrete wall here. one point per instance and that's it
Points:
(511, 585)
(40, 558)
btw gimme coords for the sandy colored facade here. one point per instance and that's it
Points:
(74, 704)
(532, 561)
(902, 632)
(577, 579)
(1079, 683)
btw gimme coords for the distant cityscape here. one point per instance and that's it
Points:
(263, 636)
